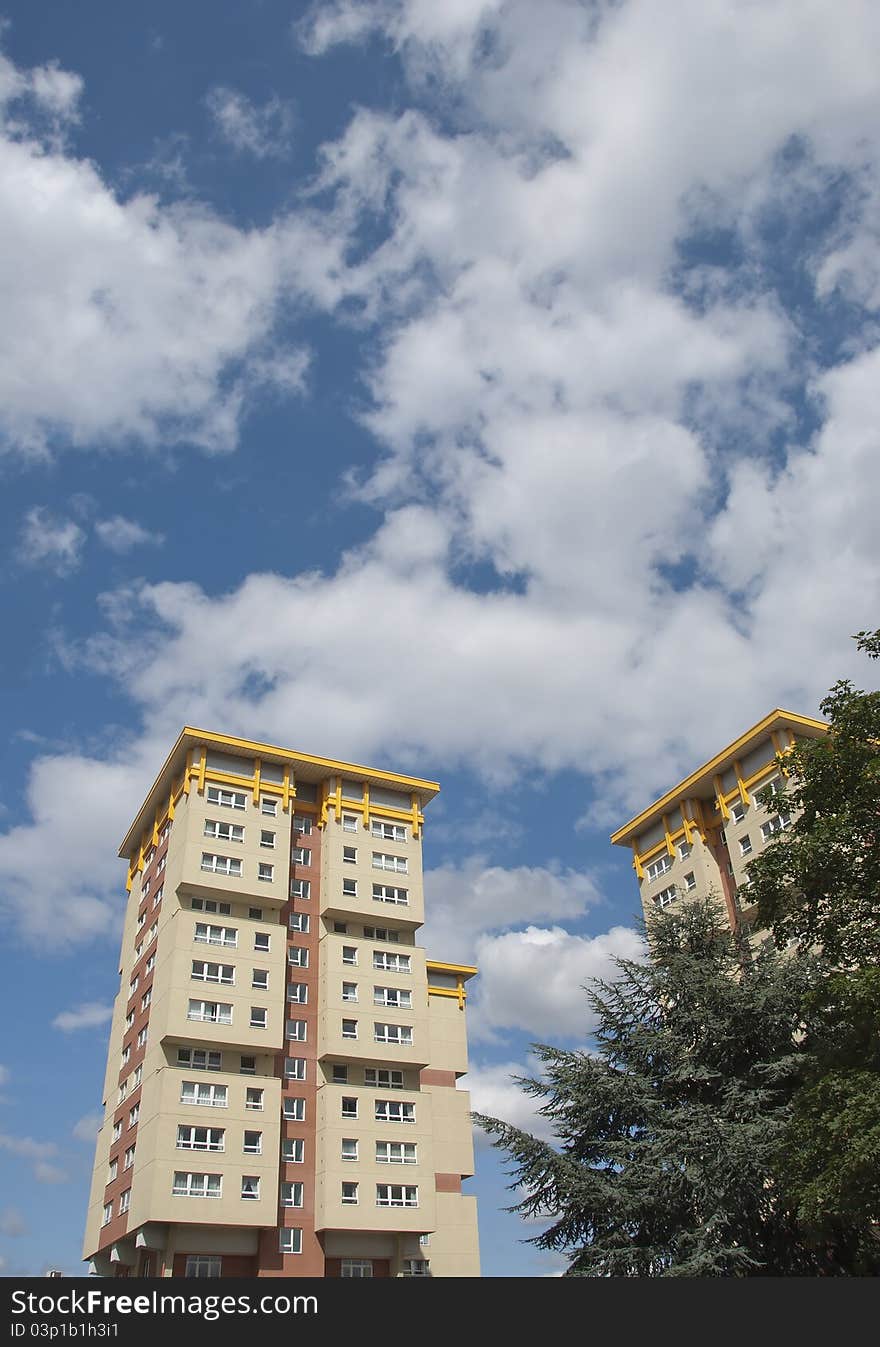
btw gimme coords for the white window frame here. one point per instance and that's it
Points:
(209, 1012)
(253, 1147)
(226, 832)
(205, 1094)
(387, 1195)
(383, 1078)
(295, 1068)
(349, 823)
(296, 1191)
(265, 872)
(290, 1239)
(205, 971)
(236, 799)
(296, 1031)
(293, 1151)
(348, 1193)
(396, 1153)
(253, 1098)
(397, 1035)
(211, 1187)
(665, 896)
(399, 998)
(268, 806)
(394, 1111)
(230, 866)
(301, 888)
(389, 832)
(208, 934)
(188, 1137)
(250, 1188)
(661, 866)
(293, 1108)
(385, 860)
(390, 893)
(298, 956)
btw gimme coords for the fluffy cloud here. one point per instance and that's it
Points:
(87, 1127)
(263, 131)
(121, 535)
(38, 1154)
(49, 541)
(12, 1222)
(87, 1016)
(494, 1092)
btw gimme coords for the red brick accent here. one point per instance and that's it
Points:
(447, 1183)
(428, 1076)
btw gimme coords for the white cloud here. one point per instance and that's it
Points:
(46, 1173)
(494, 1093)
(121, 535)
(5, 1074)
(38, 1154)
(87, 1127)
(12, 1222)
(51, 542)
(261, 130)
(90, 1015)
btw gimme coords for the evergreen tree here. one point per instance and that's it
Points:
(667, 1132)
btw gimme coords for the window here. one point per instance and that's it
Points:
(111, 1172)
(400, 1034)
(123, 1091)
(259, 1017)
(229, 799)
(210, 905)
(213, 972)
(350, 955)
(665, 896)
(269, 807)
(745, 845)
(392, 996)
(356, 1267)
(349, 823)
(253, 1098)
(298, 955)
(197, 1185)
(267, 839)
(201, 1138)
(386, 962)
(133, 1115)
(690, 881)
(294, 1109)
(339, 1075)
(160, 892)
(108, 1214)
(248, 1066)
(227, 832)
(142, 1037)
(138, 950)
(126, 1053)
(415, 1267)
(349, 1106)
(298, 993)
(349, 855)
(659, 867)
(391, 832)
(293, 1150)
(396, 1195)
(395, 1153)
(136, 1077)
(774, 786)
(215, 935)
(221, 865)
(394, 1110)
(164, 833)
(684, 850)
(292, 1194)
(128, 1158)
(290, 1240)
(349, 1028)
(349, 1148)
(141, 919)
(387, 893)
(117, 1130)
(262, 941)
(260, 979)
(133, 985)
(153, 932)
(195, 1092)
(296, 1030)
(738, 812)
(265, 872)
(301, 856)
(340, 927)
(349, 1194)
(199, 1059)
(203, 1265)
(253, 1143)
(146, 998)
(349, 888)
(210, 1012)
(302, 824)
(386, 1080)
(256, 913)
(382, 861)
(129, 1019)
(775, 825)
(349, 991)
(300, 888)
(150, 964)
(299, 921)
(295, 1068)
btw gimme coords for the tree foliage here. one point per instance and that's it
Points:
(666, 1133)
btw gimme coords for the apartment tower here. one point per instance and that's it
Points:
(280, 1096)
(702, 834)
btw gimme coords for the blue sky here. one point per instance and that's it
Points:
(479, 389)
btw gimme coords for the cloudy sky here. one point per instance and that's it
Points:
(482, 389)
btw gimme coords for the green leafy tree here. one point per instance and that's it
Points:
(666, 1133)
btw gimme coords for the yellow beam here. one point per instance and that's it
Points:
(257, 768)
(719, 796)
(743, 793)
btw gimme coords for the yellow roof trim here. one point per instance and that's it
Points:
(714, 766)
(464, 970)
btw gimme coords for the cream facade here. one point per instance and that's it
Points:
(702, 833)
(281, 1089)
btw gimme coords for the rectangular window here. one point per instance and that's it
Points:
(117, 1130)
(199, 1059)
(395, 1110)
(253, 1143)
(111, 1172)
(349, 1194)
(349, 991)
(206, 934)
(259, 1017)
(203, 1265)
(150, 964)
(262, 941)
(256, 913)
(295, 1068)
(665, 896)
(349, 855)
(250, 1187)
(268, 806)
(339, 1074)
(265, 872)
(230, 799)
(349, 888)
(248, 1066)
(659, 867)
(293, 1150)
(253, 1098)
(349, 823)
(383, 861)
(146, 998)
(349, 1106)
(126, 1053)
(738, 812)
(302, 823)
(349, 1148)
(210, 1012)
(195, 1092)
(153, 932)
(745, 845)
(227, 832)
(690, 881)
(396, 1153)
(108, 1214)
(340, 927)
(201, 1138)
(221, 865)
(292, 1194)
(350, 955)
(301, 888)
(396, 1195)
(133, 985)
(415, 1267)
(684, 850)
(160, 893)
(301, 856)
(386, 962)
(299, 921)
(197, 1185)
(260, 979)
(294, 1109)
(386, 1080)
(124, 1201)
(128, 1158)
(290, 1240)
(775, 825)
(267, 838)
(298, 993)
(213, 972)
(388, 893)
(389, 832)
(349, 1029)
(356, 1267)
(136, 1077)
(133, 1115)
(392, 996)
(400, 1034)
(298, 956)
(142, 1037)
(296, 1030)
